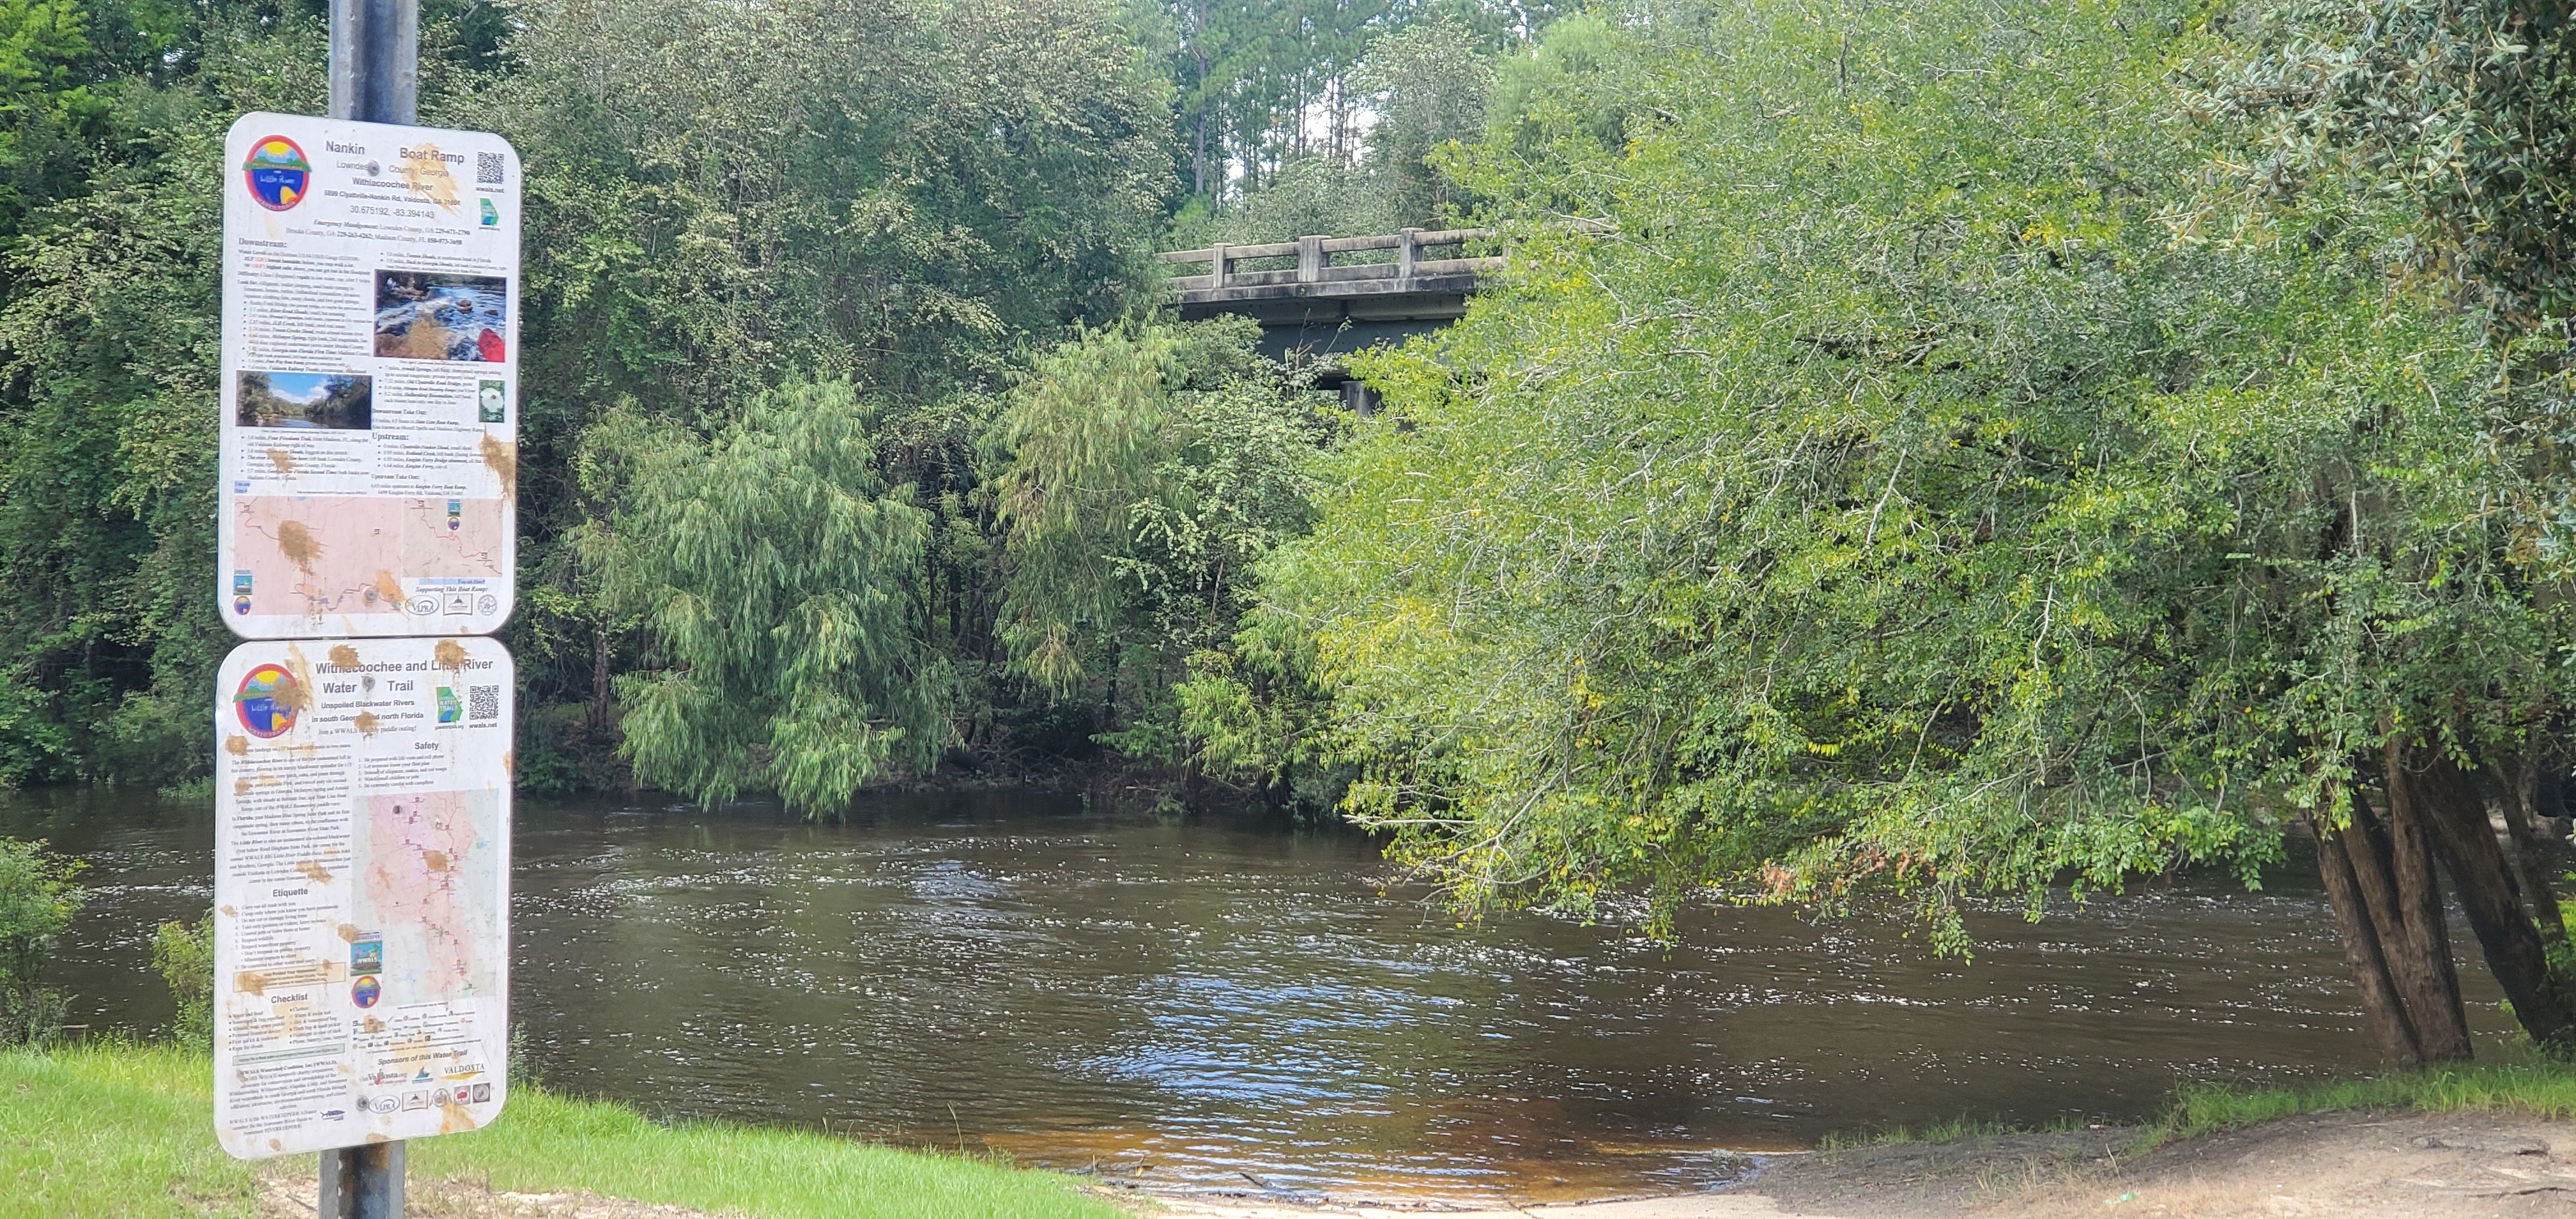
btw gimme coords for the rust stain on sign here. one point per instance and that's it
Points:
(344, 656)
(449, 654)
(237, 745)
(283, 460)
(241, 787)
(503, 457)
(321, 875)
(435, 861)
(427, 174)
(349, 932)
(250, 983)
(298, 544)
(366, 722)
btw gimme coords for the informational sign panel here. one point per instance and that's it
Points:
(370, 379)
(362, 865)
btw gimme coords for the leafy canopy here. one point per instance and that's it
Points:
(771, 563)
(1893, 504)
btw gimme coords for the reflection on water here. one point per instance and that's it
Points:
(1213, 1003)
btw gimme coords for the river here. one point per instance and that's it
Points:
(1208, 1002)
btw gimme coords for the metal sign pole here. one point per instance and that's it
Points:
(363, 1182)
(375, 78)
(375, 61)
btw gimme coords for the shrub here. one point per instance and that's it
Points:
(185, 955)
(37, 900)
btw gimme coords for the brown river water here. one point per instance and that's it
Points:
(1206, 1003)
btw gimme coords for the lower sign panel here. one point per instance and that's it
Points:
(362, 891)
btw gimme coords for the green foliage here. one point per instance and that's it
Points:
(184, 956)
(1271, 99)
(830, 187)
(1572, 89)
(37, 901)
(775, 572)
(2460, 109)
(723, 200)
(1264, 85)
(1892, 508)
(1427, 83)
(1302, 195)
(107, 370)
(1259, 714)
(1150, 469)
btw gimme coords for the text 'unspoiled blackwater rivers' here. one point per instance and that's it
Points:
(1222, 1004)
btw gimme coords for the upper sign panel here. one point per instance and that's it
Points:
(370, 379)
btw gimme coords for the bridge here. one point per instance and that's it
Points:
(1319, 312)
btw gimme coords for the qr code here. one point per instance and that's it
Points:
(482, 702)
(488, 168)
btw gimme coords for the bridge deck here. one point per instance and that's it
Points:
(1319, 313)
(1316, 277)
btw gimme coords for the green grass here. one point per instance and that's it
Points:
(1935, 1132)
(122, 1130)
(2546, 1089)
(2532, 1086)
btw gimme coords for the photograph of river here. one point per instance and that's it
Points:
(1194, 1003)
(425, 316)
(305, 400)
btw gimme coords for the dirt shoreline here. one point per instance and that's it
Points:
(2472, 1165)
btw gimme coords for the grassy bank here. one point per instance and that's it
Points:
(2529, 1086)
(125, 1131)
(2544, 1088)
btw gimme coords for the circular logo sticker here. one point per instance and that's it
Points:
(364, 992)
(277, 173)
(267, 700)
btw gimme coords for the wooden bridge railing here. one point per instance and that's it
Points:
(1315, 265)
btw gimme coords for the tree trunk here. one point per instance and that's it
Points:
(1198, 155)
(2530, 853)
(2383, 1010)
(2446, 798)
(2379, 876)
(599, 674)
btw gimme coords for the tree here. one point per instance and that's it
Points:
(2459, 115)
(725, 198)
(1892, 511)
(107, 398)
(1150, 469)
(2459, 108)
(1427, 83)
(37, 901)
(775, 571)
(1299, 118)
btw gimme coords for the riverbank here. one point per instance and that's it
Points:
(109, 1130)
(2457, 1143)
(2359, 1165)
(123, 1132)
